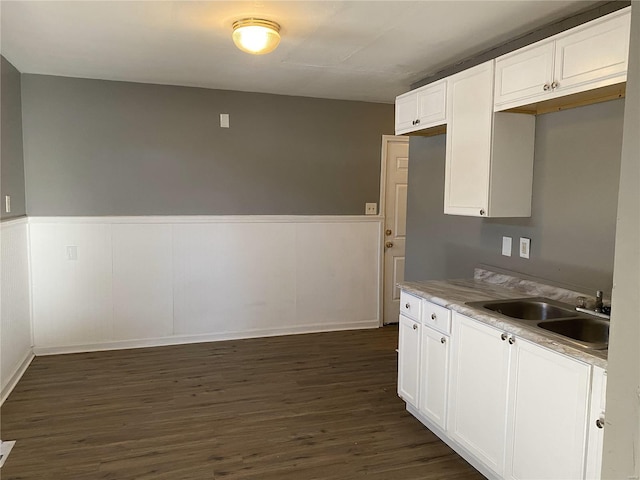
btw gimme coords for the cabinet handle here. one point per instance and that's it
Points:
(433, 316)
(387, 231)
(482, 212)
(546, 87)
(555, 85)
(504, 336)
(512, 340)
(600, 423)
(388, 244)
(418, 122)
(408, 306)
(415, 326)
(443, 340)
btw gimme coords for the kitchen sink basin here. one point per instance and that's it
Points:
(526, 308)
(554, 317)
(591, 331)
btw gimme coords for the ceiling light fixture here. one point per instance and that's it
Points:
(256, 36)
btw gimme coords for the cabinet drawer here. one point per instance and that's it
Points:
(410, 305)
(436, 317)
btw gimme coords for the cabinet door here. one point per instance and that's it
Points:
(468, 154)
(434, 374)
(594, 55)
(432, 101)
(547, 416)
(524, 75)
(408, 360)
(478, 390)
(406, 112)
(595, 427)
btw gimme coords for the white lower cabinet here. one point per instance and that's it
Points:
(478, 391)
(434, 376)
(409, 360)
(511, 407)
(547, 414)
(596, 425)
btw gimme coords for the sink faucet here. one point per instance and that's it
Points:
(598, 305)
(598, 308)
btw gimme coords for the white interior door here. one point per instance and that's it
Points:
(395, 155)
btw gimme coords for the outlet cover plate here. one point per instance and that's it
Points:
(370, 208)
(525, 247)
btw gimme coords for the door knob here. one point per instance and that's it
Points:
(388, 244)
(388, 231)
(546, 87)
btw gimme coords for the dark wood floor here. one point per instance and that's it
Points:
(320, 406)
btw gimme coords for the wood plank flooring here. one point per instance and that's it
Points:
(318, 406)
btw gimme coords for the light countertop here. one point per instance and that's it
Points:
(454, 294)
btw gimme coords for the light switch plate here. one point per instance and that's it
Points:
(224, 120)
(370, 208)
(506, 246)
(525, 247)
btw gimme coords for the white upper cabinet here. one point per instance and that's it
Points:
(524, 74)
(489, 156)
(587, 57)
(422, 108)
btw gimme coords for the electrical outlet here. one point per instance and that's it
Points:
(224, 120)
(370, 208)
(525, 247)
(7, 204)
(506, 246)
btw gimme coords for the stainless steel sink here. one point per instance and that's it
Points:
(554, 317)
(594, 332)
(526, 308)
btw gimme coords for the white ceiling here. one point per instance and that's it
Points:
(355, 50)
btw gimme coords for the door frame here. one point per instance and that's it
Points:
(386, 139)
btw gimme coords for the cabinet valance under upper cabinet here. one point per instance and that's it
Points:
(489, 156)
(422, 108)
(588, 57)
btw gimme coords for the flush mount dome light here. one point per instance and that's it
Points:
(256, 36)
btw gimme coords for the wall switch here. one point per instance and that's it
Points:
(525, 247)
(506, 246)
(7, 203)
(72, 252)
(224, 120)
(370, 208)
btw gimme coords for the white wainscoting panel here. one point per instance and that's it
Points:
(15, 324)
(233, 277)
(336, 272)
(72, 299)
(142, 281)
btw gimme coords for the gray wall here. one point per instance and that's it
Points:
(572, 227)
(96, 147)
(622, 432)
(11, 161)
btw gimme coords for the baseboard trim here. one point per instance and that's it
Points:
(17, 375)
(202, 338)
